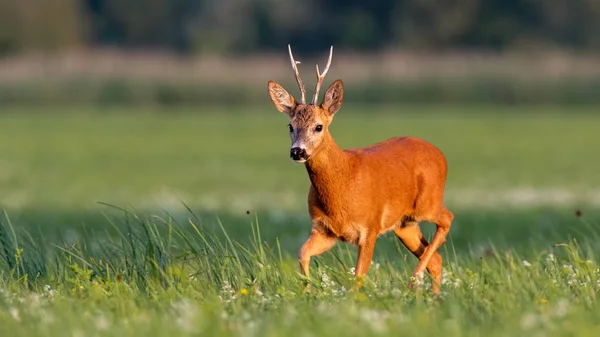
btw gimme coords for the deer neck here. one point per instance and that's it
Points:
(327, 167)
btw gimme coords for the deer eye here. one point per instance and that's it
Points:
(319, 128)
(291, 127)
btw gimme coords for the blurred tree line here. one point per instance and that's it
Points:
(240, 26)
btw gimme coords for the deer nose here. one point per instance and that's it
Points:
(297, 153)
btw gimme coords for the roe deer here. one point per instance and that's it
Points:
(358, 194)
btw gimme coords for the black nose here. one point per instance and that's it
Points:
(297, 153)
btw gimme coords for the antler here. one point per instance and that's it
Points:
(320, 77)
(297, 74)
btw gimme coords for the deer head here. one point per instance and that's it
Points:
(308, 122)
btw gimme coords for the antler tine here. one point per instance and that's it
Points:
(321, 76)
(297, 74)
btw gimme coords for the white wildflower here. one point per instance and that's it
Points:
(49, 292)
(550, 258)
(570, 268)
(526, 264)
(227, 293)
(340, 291)
(326, 282)
(449, 279)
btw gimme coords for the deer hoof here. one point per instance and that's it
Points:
(416, 280)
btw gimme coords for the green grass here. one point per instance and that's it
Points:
(59, 160)
(70, 266)
(190, 282)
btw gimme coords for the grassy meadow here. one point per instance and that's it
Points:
(187, 221)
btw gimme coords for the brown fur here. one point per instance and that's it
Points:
(358, 194)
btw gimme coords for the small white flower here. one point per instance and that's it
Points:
(570, 267)
(526, 263)
(339, 291)
(227, 293)
(550, 258)
(326, 282)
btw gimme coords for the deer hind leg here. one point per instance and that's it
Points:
(443, 223)
(410, 235)
(317, 243)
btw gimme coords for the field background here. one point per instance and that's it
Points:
(147, 190)
(522, 183)
(516, 167)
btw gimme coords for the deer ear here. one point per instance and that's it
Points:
(334, 96)
(282, 100)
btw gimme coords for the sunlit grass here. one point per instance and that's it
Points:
(159, 277)
(521, 257)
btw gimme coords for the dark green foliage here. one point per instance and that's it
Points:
(231, 26)
(120, 91)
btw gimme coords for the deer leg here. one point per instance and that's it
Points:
(365, 256)
(443, 223)
(317, 244)
(410, 235)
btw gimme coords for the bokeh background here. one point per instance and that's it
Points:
(153, 104)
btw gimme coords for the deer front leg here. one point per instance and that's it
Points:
(365, 255)
(317, 243)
